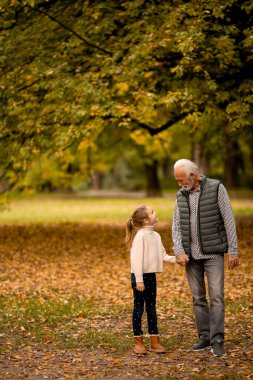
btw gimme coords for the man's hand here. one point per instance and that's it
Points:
(232, 261)
(140, 286)
(182, 259)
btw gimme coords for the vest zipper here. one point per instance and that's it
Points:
(198, 222)
(188, 203)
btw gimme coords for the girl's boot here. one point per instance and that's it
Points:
(155, 345)
(139, 347)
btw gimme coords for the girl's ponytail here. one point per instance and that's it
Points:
(129, 232)
(134, 222)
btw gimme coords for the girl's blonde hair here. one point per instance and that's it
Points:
(134, 222)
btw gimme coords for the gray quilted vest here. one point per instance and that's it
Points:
(211, 231)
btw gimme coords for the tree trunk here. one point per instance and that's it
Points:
(97, 180)
(167, 168)
(153, 184)
(115, 179)
(233, 161)
(200, 158)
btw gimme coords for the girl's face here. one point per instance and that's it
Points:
(152, 217)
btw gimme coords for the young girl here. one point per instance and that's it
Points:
(147, 255)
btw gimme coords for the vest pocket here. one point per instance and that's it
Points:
(221, 233)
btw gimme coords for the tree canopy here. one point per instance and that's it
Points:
(70, 70)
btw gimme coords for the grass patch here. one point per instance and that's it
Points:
(80, 210)
(54, 210)
(74, 324)
(109, 341)
(232, 376)
(168, 377)
(173, 342)
(240, 305)
(71, 324)
(182, 305)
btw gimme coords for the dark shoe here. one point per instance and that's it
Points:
(217, 348)
(203, 344)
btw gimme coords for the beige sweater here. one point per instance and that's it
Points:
(148, 253)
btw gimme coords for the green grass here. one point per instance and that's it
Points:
(62, 323)
(72, 324)
(238, 306)
(52, 210)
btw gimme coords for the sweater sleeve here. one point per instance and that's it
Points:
(137, 258)
(167, 258)
(229, 221)
(176, 232)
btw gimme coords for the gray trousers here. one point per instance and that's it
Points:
(209, 319)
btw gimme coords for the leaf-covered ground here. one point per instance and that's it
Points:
(66, 308)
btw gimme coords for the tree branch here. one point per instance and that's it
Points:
(23, 136)
(155, 131)
(232, 80)
(138, 124)
(12, 26)
(29, 85)
(66, 27)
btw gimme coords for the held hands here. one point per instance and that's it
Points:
(182, 259)
(140, 286)
(232, 261)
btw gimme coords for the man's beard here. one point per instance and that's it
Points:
(190, 186)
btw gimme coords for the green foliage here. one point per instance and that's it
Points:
(71, 70)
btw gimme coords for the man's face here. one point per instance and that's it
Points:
(184, 180)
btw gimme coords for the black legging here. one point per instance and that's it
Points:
(148, 296)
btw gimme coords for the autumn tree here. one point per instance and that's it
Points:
(71, 69)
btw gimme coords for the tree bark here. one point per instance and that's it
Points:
(97, 180)
(200, 158)
(153, 183)
(233, 161)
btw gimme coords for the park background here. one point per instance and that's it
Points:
(98, 99)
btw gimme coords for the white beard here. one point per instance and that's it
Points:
(190, 186)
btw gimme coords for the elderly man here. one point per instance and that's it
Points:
(203, 230)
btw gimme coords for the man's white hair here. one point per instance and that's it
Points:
(189, 166)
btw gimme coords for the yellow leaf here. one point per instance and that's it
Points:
(122, 88)
(149, 74)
